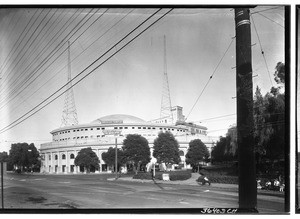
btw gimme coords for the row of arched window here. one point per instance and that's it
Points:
(63, 156)
(72, 156)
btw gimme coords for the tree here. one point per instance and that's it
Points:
(218, 152)
(197, 152)
(280, 73)
(3, 156)
(109, 157)
(269, 123)
(87, 158)
(262, 133)
(166, 148)
(24, 156)
(226, 147)
(136, 150)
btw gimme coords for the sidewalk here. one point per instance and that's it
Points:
(191, 181)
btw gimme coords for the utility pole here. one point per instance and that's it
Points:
(2, 191)
(116, 158)
(245, 121)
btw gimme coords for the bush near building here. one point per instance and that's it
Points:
(173, 175)
(227, 174)
(220, 179)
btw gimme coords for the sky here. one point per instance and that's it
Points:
(33, 64)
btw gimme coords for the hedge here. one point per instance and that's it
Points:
(173, 175)
(220, 179)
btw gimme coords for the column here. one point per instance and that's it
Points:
(58, 163)
(100, 158)
(75, 167)
(52, 166)
(67, 162)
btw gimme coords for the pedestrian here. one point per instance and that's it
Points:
(205, 180)
(276, 184)
(152, 174)
(281, 188)
(268, 184)
(258, 184)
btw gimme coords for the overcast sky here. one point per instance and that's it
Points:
(131, 81)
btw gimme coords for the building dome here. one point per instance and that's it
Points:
(118, 119)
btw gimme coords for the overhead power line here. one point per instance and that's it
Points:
(268, 9)
(210, 77)
(20, 37)
(42, 85)
(50, 55)
(271, 20)
(26, 115)
(262, 51)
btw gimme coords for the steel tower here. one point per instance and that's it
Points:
(166, 107)
(69, 113)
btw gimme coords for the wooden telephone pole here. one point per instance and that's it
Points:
(245, 121)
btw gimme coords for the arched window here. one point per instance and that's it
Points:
(49, 157)
(72, 156)
(63, 156)
(181, 153)
(55, 157)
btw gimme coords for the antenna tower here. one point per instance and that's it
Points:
(165, 110)
(69, 113)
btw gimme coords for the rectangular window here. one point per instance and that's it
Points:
(91, 128)
(144, 127)
(86, 129)
(120, 127)
(98, 136)
(98, 128)
(115, 127)
(132, 127)
(139, 127)
(125, 127)
(102, 128)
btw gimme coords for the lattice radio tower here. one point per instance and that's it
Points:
(165, 110)
(69, 113)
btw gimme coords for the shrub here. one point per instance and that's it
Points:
(173, 175)
(221, 179)
(179, 175)
(142, 175)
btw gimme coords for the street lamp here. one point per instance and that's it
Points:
(29, 150)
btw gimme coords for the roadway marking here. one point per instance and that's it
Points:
(186, 203)
(39, 179)
(206, 190)
(22, 180)
(63, 182)
(152, 198)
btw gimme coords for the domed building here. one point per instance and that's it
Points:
(101, 134)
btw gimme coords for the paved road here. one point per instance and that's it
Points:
(96, 192)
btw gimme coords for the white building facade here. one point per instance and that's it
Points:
(59, 155)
